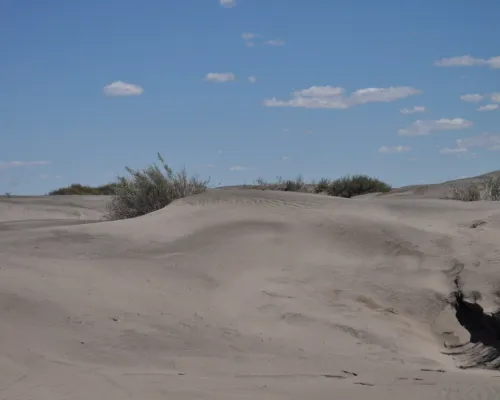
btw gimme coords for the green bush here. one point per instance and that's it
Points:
(356, 185)
(77, 189)
(151, 189)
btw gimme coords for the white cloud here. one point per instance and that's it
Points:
(425, 127)
(468, 61)
(472, 98)
(413, 110)
(456, 150)
(249, 36)
(219, 77)
(495, 97)
(286, 158)
(252, 79)
(334, 97)
(120, 88)
(16, 164)
(320, 91)
(394, 149)
(239, 168)
(46, 176)
(227, 3)
(488, 107)
(485, 141)
(276, 42)
(309, 132)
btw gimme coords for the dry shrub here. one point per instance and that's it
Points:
(151, 189)
(356, 185)
(469, 192)
(473, 191)
(285, 185)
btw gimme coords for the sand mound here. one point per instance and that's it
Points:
(33, 212)
(249, 294)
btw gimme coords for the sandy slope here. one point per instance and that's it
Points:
(238, 294)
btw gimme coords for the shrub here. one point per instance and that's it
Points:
(290, 185)
(356, 185)
(293, 185)
(469, 192)
(322, 186)
(493, 189)
(473, 192)
(77, 189)
(151, 189)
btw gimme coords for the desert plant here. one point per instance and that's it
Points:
(78, 189)
(349, 186)
(493, 189)
(293, 185)
(8, 195)
(260, 182)
(469, 192)
(286, 185)
(322, 186)
(151, 189)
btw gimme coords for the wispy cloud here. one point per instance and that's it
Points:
(120, 88)
(47, 176)
(426, 127)
(275, 42)
(394, 149)
(472, 98)
(495, 97)
(239, 168)
(252, 79)
(334, 97)
(455, 150)
(468, 61)
(413, 110)
(286, 158)
(486, 141)
(488, 107)
(16, 164)
(220, 77)
(227, 3)
(249, 35)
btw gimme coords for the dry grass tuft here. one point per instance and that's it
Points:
(151, 189)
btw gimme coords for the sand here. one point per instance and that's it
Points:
(238, 294)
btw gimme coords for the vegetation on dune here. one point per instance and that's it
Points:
(146, 190)
(490, 190)
(356, 185)
(285, 185)
(348, 186)
(151, 189)
(77, 189)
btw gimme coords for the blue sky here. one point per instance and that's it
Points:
(235, 90)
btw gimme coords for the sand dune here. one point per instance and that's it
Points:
(237, 294)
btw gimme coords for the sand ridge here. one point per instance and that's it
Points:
(243, 294)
